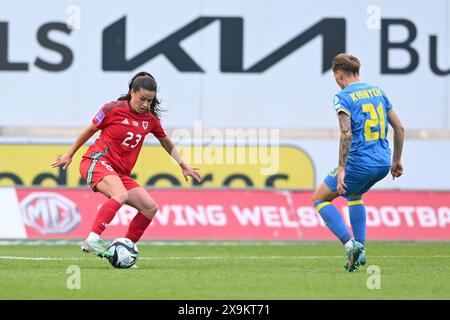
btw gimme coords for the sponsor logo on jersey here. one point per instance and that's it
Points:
(145, 125)
(125, 121)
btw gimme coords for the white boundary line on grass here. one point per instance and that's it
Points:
(162, 243)
(220, 257)
(37, 258)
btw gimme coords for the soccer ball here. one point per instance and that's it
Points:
(124, 253)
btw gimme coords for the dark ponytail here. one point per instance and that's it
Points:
(146, 81)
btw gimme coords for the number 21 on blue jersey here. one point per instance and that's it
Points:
(375, 126)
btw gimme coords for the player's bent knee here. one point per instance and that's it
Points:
(150, 212)
(316, 197)
(120, 197)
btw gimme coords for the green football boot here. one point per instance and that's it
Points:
(98, 247)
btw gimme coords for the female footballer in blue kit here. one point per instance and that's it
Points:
(364, 155)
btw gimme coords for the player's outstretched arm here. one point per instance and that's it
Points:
(399, 137)
(84, 136)
(187, 170)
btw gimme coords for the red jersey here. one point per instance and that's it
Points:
(122, 135)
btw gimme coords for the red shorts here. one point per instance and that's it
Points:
(94, 170)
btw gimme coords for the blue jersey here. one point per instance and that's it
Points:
(367, 107)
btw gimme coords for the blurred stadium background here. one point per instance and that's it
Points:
(248, 89)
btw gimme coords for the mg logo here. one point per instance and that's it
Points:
(49, 213)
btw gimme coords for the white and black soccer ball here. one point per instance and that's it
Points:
(124, 253)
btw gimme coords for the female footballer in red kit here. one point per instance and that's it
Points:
(107, 164)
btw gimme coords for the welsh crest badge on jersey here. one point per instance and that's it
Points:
(145, 125)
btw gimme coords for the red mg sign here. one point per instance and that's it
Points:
(49, 213)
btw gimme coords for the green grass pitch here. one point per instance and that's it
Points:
(260, 270)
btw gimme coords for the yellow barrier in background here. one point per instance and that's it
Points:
(231, 166)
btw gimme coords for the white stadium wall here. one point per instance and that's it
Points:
(12, 226)
(227, 63)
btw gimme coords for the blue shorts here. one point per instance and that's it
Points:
(358, 179)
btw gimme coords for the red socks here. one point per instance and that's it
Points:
(105, 216)
(137, 227)
(108, 211)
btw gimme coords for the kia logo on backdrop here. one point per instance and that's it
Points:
(49, 213)
(115, 57)
(231, 42)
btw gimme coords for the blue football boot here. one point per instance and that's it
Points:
(356, 256)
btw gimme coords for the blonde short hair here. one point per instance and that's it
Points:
(347, 63)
